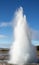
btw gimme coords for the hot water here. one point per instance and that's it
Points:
(22, 51)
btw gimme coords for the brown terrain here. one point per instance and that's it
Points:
(4, 55)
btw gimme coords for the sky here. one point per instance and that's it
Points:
(7, 9)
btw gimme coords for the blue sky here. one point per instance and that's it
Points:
(7, 9)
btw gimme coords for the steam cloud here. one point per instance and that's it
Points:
(21, 51)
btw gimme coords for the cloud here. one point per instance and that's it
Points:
(36, 43)
(4, 24)
(3, 45)
(3, 36)
(35, 34)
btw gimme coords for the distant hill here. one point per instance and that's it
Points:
(37, 48)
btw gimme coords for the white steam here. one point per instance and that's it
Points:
(21, 51)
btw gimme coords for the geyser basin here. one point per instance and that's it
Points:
(21, 51)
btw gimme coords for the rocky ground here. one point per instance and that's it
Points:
(4, 57)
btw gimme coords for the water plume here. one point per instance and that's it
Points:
(22, 51)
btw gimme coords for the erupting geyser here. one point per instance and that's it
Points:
(21, 51)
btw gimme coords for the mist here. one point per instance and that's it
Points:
(21, 51)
